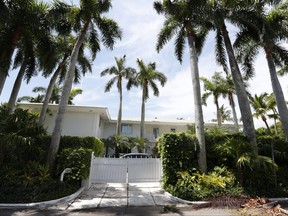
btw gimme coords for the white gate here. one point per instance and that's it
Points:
(124, 170)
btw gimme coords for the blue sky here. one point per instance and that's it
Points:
(140, 25)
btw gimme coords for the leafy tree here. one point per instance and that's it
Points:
(214, 87)
(146, 78)
(268, 30)
(89, 21)
(120, 72)
(183, 19)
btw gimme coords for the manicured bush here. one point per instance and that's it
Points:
(77, 159)
(93, 143)
(179, 153)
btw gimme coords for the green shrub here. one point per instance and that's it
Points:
(18, 131)
(198, 186)
(93, 143)
(77, 159)
(179, 153)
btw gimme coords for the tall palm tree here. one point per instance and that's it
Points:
(183, 19)
(217, 12)
(268, 30)
(89, 22)
(64, 46)
(26, 59)
(146, 78)
(214, 87)
(24, 19)
(261, 108)
(120, 72)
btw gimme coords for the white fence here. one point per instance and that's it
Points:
(124, 170)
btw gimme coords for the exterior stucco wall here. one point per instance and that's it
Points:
(76, 124)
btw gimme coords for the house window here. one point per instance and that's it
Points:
(173, 130)
(126, 129)
(155, 132)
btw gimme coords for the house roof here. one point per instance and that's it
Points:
(71, 108)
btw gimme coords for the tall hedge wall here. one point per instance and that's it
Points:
(179, 153)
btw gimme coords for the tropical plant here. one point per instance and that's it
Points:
(214, 87)
(55, 97)
(24, 20)
(142, 144)
(183, 20)
(89, 20)
(217, 12)
(64, 46)
(269, 29)
(26, 59)
(120, 72)
(259, 104)
(146, 78)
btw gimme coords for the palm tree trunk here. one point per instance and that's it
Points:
(118, 131)
(3, 77)
(49, 92)
(56, 135)
(266, 124)
(199, 122)
(277, 90)
(219, 119)
(143, 112)
(244, 105)
(235, 119)
(16, 87)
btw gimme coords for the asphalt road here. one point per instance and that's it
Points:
(128, 211)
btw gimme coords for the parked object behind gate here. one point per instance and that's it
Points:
(136, 155)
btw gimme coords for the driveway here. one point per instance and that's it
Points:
(122, 194)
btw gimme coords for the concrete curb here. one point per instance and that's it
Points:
(184, 202)
(43, 204)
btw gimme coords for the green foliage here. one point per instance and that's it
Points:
(77, 159)
(18, 132)
(199, 186)
(93, 143)
(179, 153)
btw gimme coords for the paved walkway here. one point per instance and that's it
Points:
(122, 194)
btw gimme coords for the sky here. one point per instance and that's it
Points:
(140, 25)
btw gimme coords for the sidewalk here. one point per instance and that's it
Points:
(122, 194)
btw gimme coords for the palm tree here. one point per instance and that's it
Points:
(64, 46)
(120, 72)
(214, 87)
(55, 96)
(89, 20)
(146, 78)
(73, 94)
(271, 105)
(267, 32)
(260, 107)
(229, 92)
(26, 58)
(23, 19)
(183, 20)
(225, 114)
(217, 12)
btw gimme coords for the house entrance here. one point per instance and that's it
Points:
(125, 170)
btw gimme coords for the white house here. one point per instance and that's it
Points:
(96, 121)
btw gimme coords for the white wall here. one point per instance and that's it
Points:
(76, 124)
